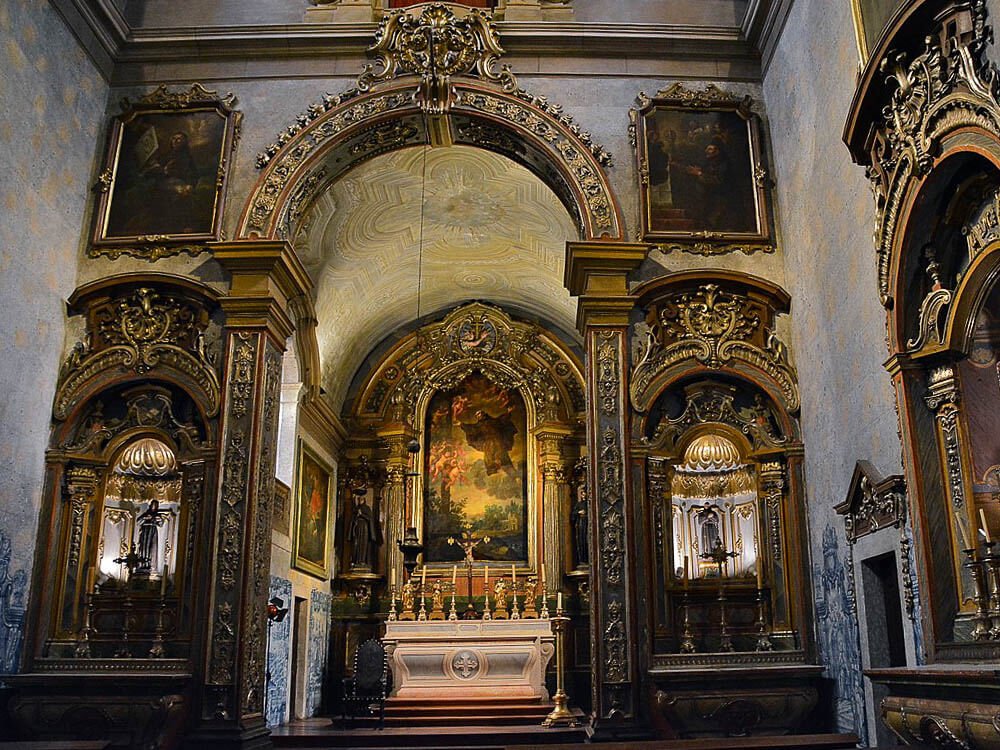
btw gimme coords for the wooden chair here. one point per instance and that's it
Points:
(369, 684)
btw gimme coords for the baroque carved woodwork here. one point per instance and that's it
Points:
(136, 325)
(873, 502)
(455, 56)
(718, 321)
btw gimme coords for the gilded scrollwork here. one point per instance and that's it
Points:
(947, 86)
(873, 502)
(715, 327)
(138, 332)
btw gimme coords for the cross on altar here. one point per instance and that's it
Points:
(468, 543)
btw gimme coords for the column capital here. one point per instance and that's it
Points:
(597, 273)
(266, 276)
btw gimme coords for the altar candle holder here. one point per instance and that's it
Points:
(763, 631)
(393, 616)
(123, 651)
(422, 614)
(515, 613)
(544, 614)
(82, 650)
(725, 640)
(992, 560)
(981, 629)
(157, 650)
(687, 645)
(453, 614)
(560, 716)
(487, 615)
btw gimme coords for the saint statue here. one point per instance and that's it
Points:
(406, 594)
(149, 522)
(437, 596)
(579, 522)
(365, 535)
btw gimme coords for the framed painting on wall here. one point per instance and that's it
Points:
(162, 188)
(313, 480)
(475, 472)
(702, 181)
(870, 20)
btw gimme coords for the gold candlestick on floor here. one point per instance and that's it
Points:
(981, 629)
(560, 716)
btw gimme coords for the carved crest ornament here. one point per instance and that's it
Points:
(461, 95)
(947, 86)
(715, 327)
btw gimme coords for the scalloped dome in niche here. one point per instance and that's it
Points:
(147, 458)
(493, 231)
(711, 452)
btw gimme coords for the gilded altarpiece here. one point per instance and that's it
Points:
(494, 404)
(714, 399)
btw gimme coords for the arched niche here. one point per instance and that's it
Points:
(135, 420)
(412, 98)
(509, 395)
(925, 122)
(715, 378)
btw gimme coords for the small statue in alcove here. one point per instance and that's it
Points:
(148, 547)
(579, 521)
(365, 534)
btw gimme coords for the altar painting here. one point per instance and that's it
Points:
(476, 471)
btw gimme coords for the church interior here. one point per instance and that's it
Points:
(500, 373)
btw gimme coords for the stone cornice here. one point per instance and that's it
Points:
(116, 47)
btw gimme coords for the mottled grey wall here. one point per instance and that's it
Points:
(826, 213)
(52, 102)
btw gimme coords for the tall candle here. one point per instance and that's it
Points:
(454, 574)
(685, 571)
(392, 578)
(513, 574)
(559, 602)
(543, 577)
(486, 578)
(163, 582)
(760, 575)
(423, 576)
(90, 579)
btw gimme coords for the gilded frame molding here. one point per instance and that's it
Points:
(196, 100)
(298, 561)
(703, 241)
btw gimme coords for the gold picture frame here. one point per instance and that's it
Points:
(162, 189)
(870, 19)
(313, 505)
(703, 183)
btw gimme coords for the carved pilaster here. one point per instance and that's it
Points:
(944, 400)
(398, 513)
(265, 277)
(598, 273)
(81, 489)
(552, 459)
(772, 499)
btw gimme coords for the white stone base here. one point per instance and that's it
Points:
(469, 659)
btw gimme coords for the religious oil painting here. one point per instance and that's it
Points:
(476, 471)
(700, 170)
(165, 172)
(312, 513)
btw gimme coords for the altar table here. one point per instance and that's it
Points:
(471, 659)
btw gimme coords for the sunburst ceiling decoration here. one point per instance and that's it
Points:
(493, 231)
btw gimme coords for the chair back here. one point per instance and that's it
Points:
(370, 668)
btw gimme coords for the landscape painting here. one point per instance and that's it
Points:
(476, 472)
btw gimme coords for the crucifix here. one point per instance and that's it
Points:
(468, 542)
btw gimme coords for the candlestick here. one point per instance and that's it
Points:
(986, 528)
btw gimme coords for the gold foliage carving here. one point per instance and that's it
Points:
(713, 327)
(948, 86)
(139, 332)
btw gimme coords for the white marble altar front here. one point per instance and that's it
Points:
(466, 659)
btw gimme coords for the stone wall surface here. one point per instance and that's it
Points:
(52, 101)
(826, 218)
